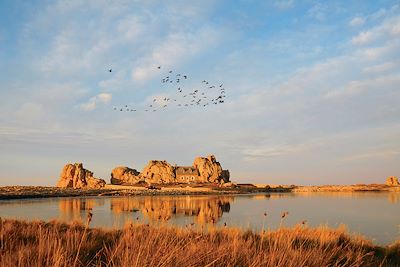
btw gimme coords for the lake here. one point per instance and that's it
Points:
(375, 215)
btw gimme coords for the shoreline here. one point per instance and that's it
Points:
(32, 192)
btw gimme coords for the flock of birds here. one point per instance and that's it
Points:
(204, 95)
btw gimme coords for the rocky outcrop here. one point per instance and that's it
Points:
(75, 176)
(204, 170)
(392, 181)
(158, 171)
(125, 176)
(210, 170)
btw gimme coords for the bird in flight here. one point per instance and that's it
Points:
(202, 97)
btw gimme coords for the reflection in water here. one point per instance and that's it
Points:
(204, 209)
(394, 197)
(75, 209)
(373, 214)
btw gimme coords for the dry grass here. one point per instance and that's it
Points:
(56, 244)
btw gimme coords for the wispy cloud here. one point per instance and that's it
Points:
(386, 154)
(357, 21)
(102, 98)
(269, 151)
(175, 49)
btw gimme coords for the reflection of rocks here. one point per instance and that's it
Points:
(75, 176)
(71, 209)
(119, 205)
(124, 175)
(204, 170)
(204, 209)
(392, 181)
(394, 197)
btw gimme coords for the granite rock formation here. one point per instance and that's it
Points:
(124, 175)
(158, 171)
(204, 170)
(210, 170)
(75, 176)
(392, 181)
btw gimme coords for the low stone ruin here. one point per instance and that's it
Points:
(75, 176)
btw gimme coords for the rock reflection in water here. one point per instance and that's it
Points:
(75, 209)
(203, 209)
(394, 197)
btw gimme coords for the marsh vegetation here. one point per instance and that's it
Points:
(57, 244)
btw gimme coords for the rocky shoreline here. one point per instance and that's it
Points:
(31, 192)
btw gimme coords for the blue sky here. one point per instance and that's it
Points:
(312, 87)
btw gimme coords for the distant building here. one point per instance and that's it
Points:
(187, 174)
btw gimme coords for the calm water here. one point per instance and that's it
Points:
(374, 215)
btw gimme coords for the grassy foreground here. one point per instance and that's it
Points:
(57, 244)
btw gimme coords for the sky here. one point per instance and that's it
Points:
(312, 87)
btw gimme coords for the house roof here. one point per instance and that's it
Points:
(186, 170)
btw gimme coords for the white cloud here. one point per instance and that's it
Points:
(358, 86)
(131, 27)
(284, 4)
(318, 11)
(383, 67)
(102, 98)
(387, 30)
(378, 14)
(357, 21)
(175, 49)
(387, 51)
(363, 38)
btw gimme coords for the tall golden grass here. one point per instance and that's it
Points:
(56, 244)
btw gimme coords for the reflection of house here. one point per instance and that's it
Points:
(205, 210)
(187, 174)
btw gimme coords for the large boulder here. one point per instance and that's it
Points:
(392, 181)
(210, 170)
(124, 175)
(75, 176)
(158, 172)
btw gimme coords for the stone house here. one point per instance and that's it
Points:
(187, 174)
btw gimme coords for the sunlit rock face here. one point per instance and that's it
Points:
(210, 170)
(392, 181)
(158, 171)
(125, 176)
(204, 170)
(75, 176)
